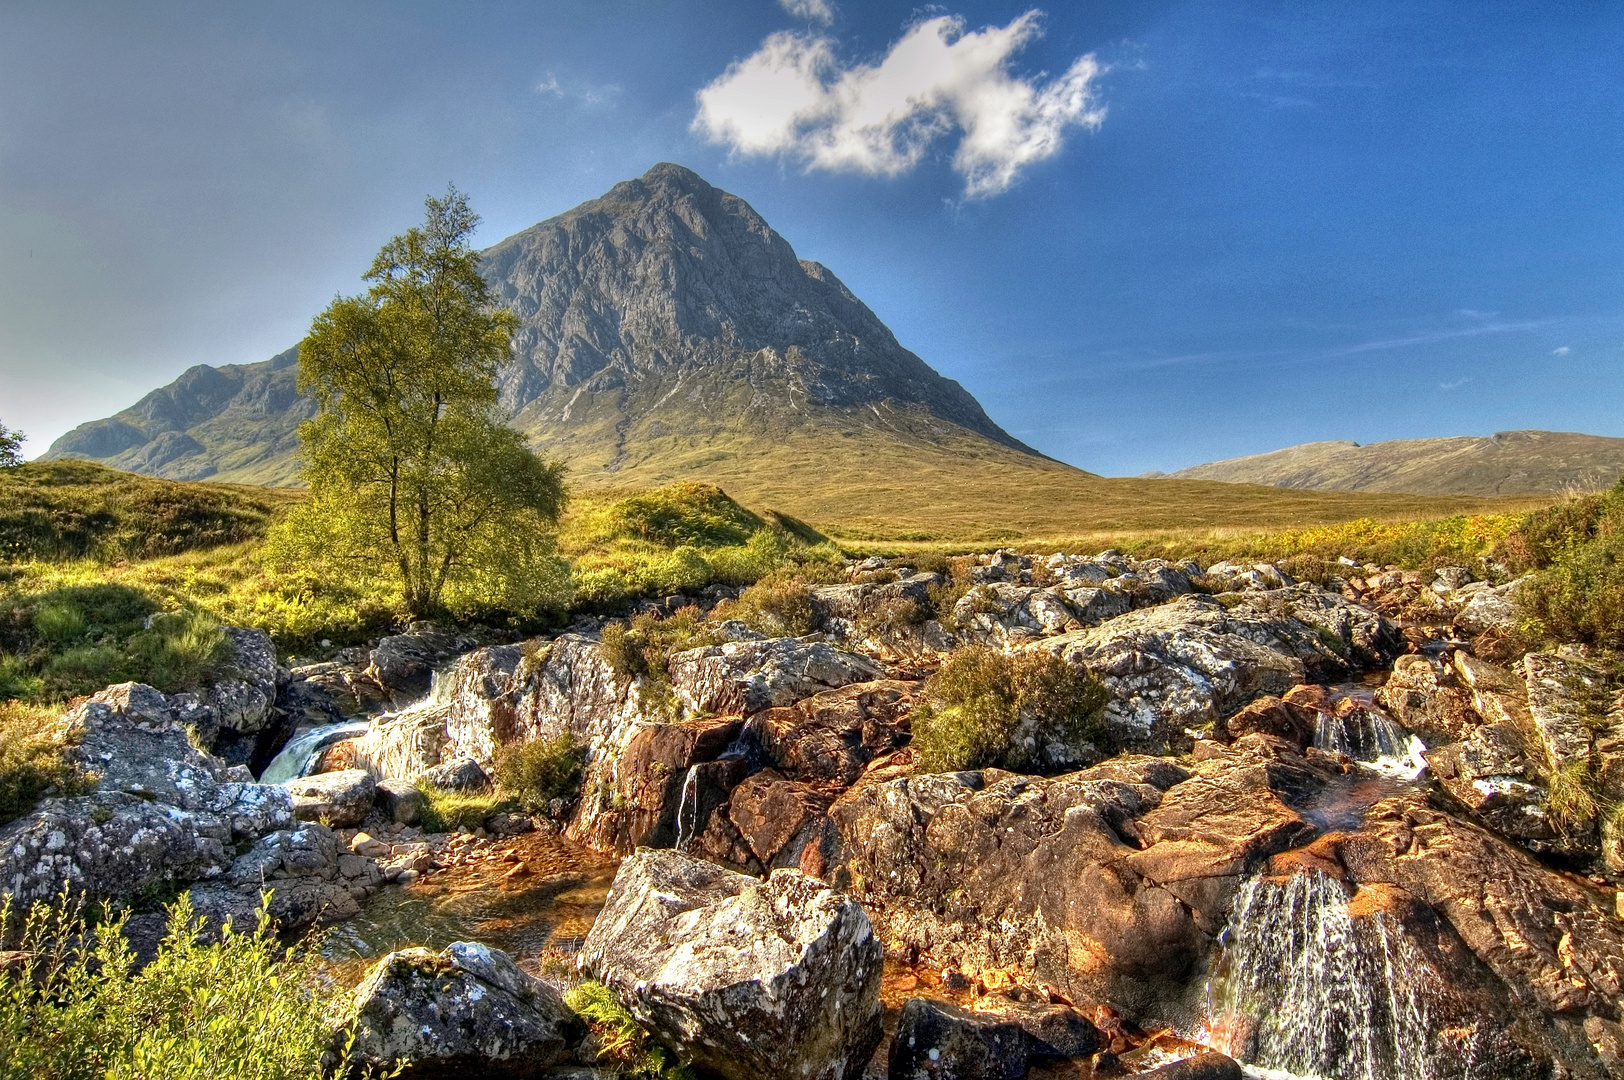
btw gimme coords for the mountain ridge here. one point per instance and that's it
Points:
(644, 315)
(1511, 463)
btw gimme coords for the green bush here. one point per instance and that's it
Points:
(538, 771)
(643, 647)
(31, 761)
(682, 513)
(59, 622)
(622, 1040)
(986, 708)
(179, 649)
(779, 605)
(242, 1006)
(1575, 553)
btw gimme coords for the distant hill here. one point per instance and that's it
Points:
(1505, 463)
(666, 332)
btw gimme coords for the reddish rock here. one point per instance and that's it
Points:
(834, 735)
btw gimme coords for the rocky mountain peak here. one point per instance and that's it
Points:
(664, 309)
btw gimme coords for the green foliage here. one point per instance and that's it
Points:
(77, 509)
(536, 772)
(623, 1040)
(1570, 800)
(77, 638)
(987, 708)
(242, 1005)
(689, 513)
(779, 605)
(643, 648)
(31, 761)
(1575, 551)
(11, 447)
(411, 472)
(678, 539)
(448, 811)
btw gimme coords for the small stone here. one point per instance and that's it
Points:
(406, 877)
(519, 870)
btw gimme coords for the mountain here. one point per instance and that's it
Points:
(1505, 463)
(663, 322)
(667, 332)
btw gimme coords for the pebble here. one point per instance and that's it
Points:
(407, 877)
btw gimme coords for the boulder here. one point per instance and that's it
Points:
(785, 822)
(128, 735)
(403, 664)
(463, 774)
(468, 1010)
(880, 615)
(636, 793)
(1003, 614)
(399, 799)
(937, 1040)
(244, 691)
(1568, 699)
(1427, 698)
(1109, 884)
(1188, 664)
(304, 871)
(347, 685)
(1491, 610)
(744, 677)
(743, 977)
(338, 799)
(108, 845)
(1203, 1066)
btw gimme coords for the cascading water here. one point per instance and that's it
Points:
(688, 809)
(300, 754)
(1367, 735)
(1302, 989)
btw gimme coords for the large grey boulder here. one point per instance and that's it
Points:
(108, 845)
(749, 676)
(1003, 613)
(466, 1011)
(403, 664)
(309, 879)
(1194, 661)
(1491, 609)
(128, 735)
(339, 799)
(1568, 699)
(745, 977)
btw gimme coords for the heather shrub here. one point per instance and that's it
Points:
(986, 708)
(538, 771)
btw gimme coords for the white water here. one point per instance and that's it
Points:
(299, 756)
(1373, 739)
(688, 809)
(1301, 990)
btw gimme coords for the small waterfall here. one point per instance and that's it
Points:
(688, 809)
(299, 756)
(1301, 989)
(1368, 736)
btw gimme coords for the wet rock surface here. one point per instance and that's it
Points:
(743, 977)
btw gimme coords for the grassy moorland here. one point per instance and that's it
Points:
(110, 576)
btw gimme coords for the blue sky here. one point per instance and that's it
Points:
(1236, 227)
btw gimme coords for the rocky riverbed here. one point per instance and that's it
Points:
(1323, 835)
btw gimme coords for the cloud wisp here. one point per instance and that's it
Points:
(794, 97)
(821, 12)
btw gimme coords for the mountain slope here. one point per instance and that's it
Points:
(663, 322)
(1506, 463)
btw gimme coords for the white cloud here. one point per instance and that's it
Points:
(794, 97)
(821, 12)
(550, 86)
(1561, 350)
(1454, 385)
